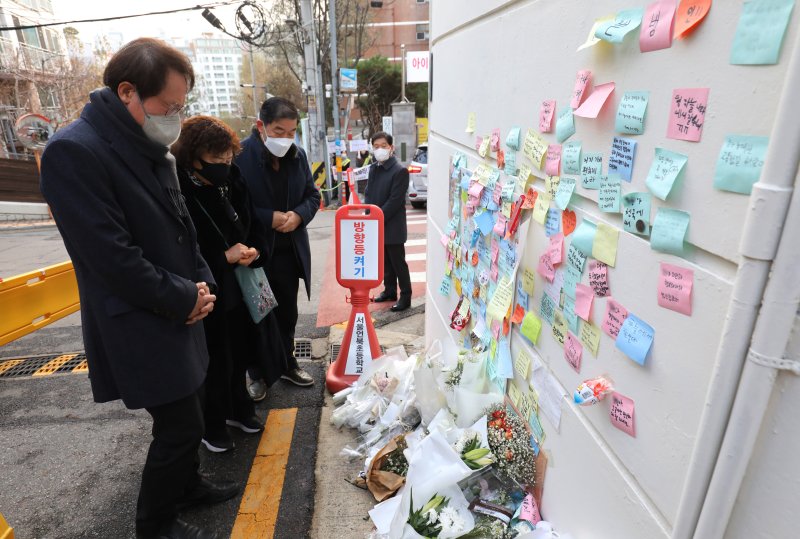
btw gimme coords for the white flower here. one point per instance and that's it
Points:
(433, 516)
(451, 521)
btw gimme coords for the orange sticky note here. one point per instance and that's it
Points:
(519, 314)
(689, 15)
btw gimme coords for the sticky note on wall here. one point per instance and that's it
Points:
(669, 231)
(631, 113)
(739, 163)
(759, 34)
(635, 338)
(666, 169)
(675, 288)
(622, 413)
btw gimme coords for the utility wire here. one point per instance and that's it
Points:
(43, 25)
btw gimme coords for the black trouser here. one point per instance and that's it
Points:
(230, 350)
(395, 270)
(172, 463)
(284, 278)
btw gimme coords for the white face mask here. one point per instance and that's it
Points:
(278, 146)
(162, 130)
(382, 154)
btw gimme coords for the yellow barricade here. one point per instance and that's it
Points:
(32, 300)
(6, 531)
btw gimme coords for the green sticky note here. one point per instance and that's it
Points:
(667, 167)
(604, 247)
(609, 194)
(564, 192)
(547, 308)
(636, 213)
(531, 327)
(590, 337)
(571, 279)
(570, 315)
(583, 237)
(669, 231)
(614, 31)
(591, 169)
(512, 140)
(760, 32)
(571, 158)
(631, 112)
(575, 258)
(565, 124)
(560, 327)
(739, 163)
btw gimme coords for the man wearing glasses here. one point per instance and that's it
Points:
(112, 187)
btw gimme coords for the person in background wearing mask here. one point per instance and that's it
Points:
(144, 287)
(229, 235)
(387, 184)
(285, 198)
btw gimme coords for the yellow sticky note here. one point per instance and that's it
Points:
(534, 148)
(560, 327)
(501, 299)
(534, 396)
(540, 208)
(528, 280)
(591, 39)
(457, 286)
(523, 364)
(484, 292)
(551, 185)
(531, 327)
(470, 123)
(525, 407)
(484, 149)
(604, 247)
(464, 308)
(507, 207)
(590, 337)
(482, 174)
(514, 394)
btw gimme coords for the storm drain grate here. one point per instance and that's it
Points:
(336, 348)
(42, 365)
(302, 348)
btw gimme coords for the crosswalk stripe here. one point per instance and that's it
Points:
(415, 256)
(412, 243)
(417, 276)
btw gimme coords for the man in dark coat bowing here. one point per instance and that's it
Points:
(387, 184)
(144, 288)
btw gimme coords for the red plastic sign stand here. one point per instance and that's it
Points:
(359, 267)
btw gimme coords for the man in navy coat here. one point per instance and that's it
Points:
(144, 288)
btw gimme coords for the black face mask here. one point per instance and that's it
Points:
(216, 173)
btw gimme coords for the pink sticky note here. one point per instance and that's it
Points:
(475, 190)
(687, 114)
(546, 268)
(529, 510)
(478, 142)
(445, 240)
(622, 413)
(546, 113)
(598, 278)
(657, 26)
(496, 329)
(675, 288)
(500, 225)
(556, 249)
(495, 142)
(594, 103)
(583, 81)
(552, 163)
(615, 316)
(495, 271)
(583, 301)
(573, 351)
(495, 250)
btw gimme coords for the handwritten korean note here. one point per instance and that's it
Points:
(657, 23)
(609, 194)
(592, 39)
(593, 104)
(529, 510)
(552, 222)
(505, 365)
(522, 365)
(590, 337)
(669, 231)
(510, 165)
(631, 113)
(546, 268)
(571, 158)
(621, 160)
(598, 278)
(604, 247)
(675, 288)
(552, 162)
(625, 21)
(495, 139)
(636, 213)
(560, 328)
(444, 288)
(546, 113)
(470, 123)
(576, 258)
(615, 316)
(584, 297)
(689, 15)
(566, 186)
(739, 163)
(547, 308)
(573, 351)
(534, 148)
(572, 276)
(551, 185)
(568, 221)
(484, 222)
(635, 338)
(483, 149)
(528, 280)
(583, 85)
(760, 32)
(622, 414)
(565, 124)
(540, 208)
(591, 169)
(687, 114)
(531, 327)
(584, 237)
(512, 139)
(667, 167)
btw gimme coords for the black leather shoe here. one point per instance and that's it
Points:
(208, 493)
(383, 297)
(401, 305)
(178, 529)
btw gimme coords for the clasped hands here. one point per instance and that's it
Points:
(285, 221)
(203, 305)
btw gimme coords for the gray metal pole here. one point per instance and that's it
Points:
(403, 59)
(253, 80)
(337, 131)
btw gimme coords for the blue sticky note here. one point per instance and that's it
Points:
(583, 237)
(575, 258)
(631, 112)
(511, 163)
(512, 140)
(609, 194)
(571, 158)
(547, 308)
(635, 338)
(760, 32)
(570, 314)
(552, 223)
(484, 221)
(566, 186)
(565, 124)
(636, 213)
(505, 366)
(739, 163)
(667, 167)
(620, 162)
(522, 298)
(591, 169)
(669, 231)
(571, 279)
(614, 31)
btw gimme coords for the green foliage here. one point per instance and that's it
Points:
(380, 80)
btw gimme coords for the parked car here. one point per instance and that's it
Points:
(418, 178)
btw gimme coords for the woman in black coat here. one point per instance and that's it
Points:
(228, 235)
